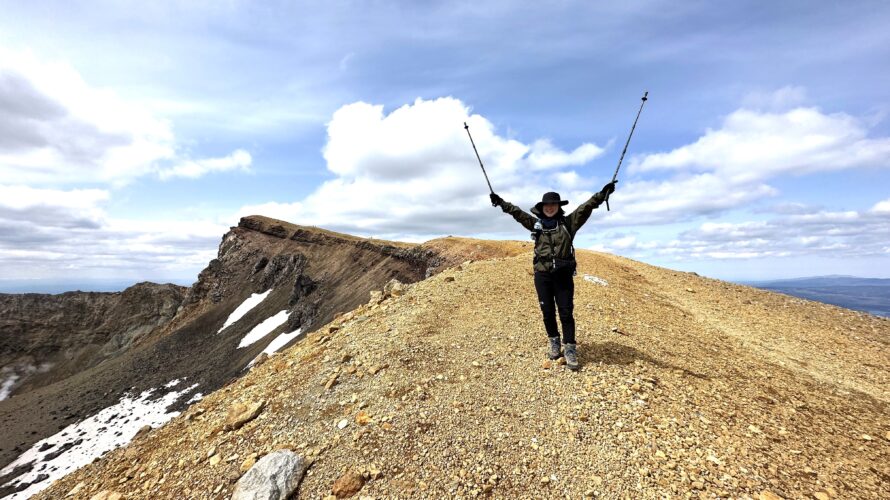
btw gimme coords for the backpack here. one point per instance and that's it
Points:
(558, 264)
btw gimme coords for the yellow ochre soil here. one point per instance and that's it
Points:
(689, 387)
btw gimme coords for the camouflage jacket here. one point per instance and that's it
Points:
(554, 244)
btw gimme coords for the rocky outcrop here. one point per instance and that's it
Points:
(47, 337)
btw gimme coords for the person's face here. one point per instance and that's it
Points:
(550, 209)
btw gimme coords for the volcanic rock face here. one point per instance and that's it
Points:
(162, 338)
(45, 338)
(440, 391)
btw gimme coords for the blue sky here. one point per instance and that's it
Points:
(136, 134)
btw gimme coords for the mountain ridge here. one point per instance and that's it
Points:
(307, 275)
(688, 386)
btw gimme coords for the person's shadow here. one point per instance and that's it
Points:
(612, 353)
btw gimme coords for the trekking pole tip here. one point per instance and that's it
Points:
(646, 95)
(466, 126)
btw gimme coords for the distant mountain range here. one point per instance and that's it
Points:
(57, 286)
(871, 295)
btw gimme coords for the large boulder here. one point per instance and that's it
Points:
(274, 477)
(394, 288)
(241, 413)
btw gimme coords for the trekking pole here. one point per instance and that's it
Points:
(467, 127)
(615, 176)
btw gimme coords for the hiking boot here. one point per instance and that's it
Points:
(571, 357)
(553, 352)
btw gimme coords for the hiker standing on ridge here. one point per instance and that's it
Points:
(554, 261)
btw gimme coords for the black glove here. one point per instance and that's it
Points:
(608, 189)
(495, 200)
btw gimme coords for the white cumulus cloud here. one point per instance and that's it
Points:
(412, 173)
(752, 146)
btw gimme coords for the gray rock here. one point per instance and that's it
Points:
(274, 477)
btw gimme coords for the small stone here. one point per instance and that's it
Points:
(768, 495)
(74, 491)
(690, 290)
(866, 437)
(107, 495)
(347, 485)
(342, 424)
(376, 368)
(145, 429)
(821, 495)
(362, 418)
(247, 463)
(215, 459)
(331, 382)
(449, 279)
(374, 472)
(545, 480)
(262, 358)
(240, 413)
(546, 364)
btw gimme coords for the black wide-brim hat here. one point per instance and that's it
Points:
(551, 197)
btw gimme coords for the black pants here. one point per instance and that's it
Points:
(558, 287)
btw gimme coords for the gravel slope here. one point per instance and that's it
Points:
(690, 387)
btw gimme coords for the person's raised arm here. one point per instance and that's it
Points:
(579, 216)
(522, 217)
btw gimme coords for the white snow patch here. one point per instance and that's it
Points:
(7, 385)
(110, 428)
(279, 342)
(173, 383)
(594, 279)
(263, 329)
(11, 376)
(245, 307)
